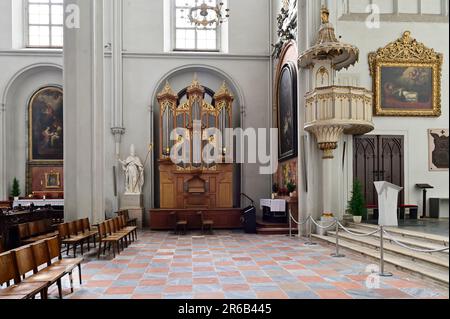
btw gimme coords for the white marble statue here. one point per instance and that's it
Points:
(134, 173)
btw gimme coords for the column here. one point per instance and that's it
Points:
(3, 181)
(83, 111)
(309, 197)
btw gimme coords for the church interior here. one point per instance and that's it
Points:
(224, 149)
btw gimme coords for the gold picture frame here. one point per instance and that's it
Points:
(406, 79)
(52, 180)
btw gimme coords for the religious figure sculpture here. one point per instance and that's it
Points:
(134, 173)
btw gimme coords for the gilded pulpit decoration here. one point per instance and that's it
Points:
(406, 79)
(190, 121)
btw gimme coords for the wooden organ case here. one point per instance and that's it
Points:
(194, 183)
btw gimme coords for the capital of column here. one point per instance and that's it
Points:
(118, 132)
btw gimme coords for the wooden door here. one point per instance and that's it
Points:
(378, 158)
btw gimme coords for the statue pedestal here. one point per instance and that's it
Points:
(134, 203)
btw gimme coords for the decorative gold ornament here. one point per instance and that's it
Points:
(409, 54)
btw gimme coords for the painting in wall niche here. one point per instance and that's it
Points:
(52, 180)
(406, 79)
(46, 125)
(287, 112)
(438, 149)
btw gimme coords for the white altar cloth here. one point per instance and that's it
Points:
(38, 202)
(275, 205)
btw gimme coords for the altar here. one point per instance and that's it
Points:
(38, 202)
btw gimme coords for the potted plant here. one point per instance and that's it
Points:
(356, 205)
(15, 190)
(291, 188)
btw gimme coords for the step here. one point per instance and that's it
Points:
(437, 239)
(275, 231)
(409, 241)
(434, 273)
(374, 243)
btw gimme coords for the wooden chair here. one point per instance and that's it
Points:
(43, 268)
(26, 263)
(129, 221)
(105, 239)
(18, 289)
(206, 223)
(131, 230)
(179, 224)
(65, 233)
(54, 250)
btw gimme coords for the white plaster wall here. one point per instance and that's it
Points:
(433, 35)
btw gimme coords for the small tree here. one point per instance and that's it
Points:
(357, 205)
(15, 190)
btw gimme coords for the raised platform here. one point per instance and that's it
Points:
(226, 218)
(268, 228)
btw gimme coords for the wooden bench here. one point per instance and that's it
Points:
(15, 288)
(34, 268)
(75, 234)
(114, 233)
(35, 231)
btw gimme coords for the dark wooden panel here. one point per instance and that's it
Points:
(160, 219)
(378, 158)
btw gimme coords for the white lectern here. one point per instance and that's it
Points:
(387, 207)
(388, 203)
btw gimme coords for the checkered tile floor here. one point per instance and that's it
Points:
(231, 265)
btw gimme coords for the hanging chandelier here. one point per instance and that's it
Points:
(204, 14)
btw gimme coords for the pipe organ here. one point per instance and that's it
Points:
(189, 122)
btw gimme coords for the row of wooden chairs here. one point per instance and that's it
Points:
(129, 221)
(43, 260)
(116, 234)
(77, 233)
(35, 231)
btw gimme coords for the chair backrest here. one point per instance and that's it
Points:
(24, 260)
(112, 226)
(80, 226)
(116, 224)
(24, 232)
(109, 225)
(72, 228)
(201, 216)
(86, 224)
(41, 254)
(33, 228)
(8, 269)
(63, 230)
(127, 215)
(42, 226)
(54, 248)
(102, 230)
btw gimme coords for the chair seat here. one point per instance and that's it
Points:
(69, 263)
(23, 290)
(130, 228)
(208, 222)
(182, 222)
(49, 275)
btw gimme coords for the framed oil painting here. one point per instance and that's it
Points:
(438, 149)
(287, 102)
(407, 79)
(52, 180)
(46, 125)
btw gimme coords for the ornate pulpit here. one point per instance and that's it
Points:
(193, 119)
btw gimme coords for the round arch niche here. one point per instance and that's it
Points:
(14, 136)
(180, 79)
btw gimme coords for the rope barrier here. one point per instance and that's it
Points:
(299, 223)
(357, 234)
(414, 249)
(324, 227)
